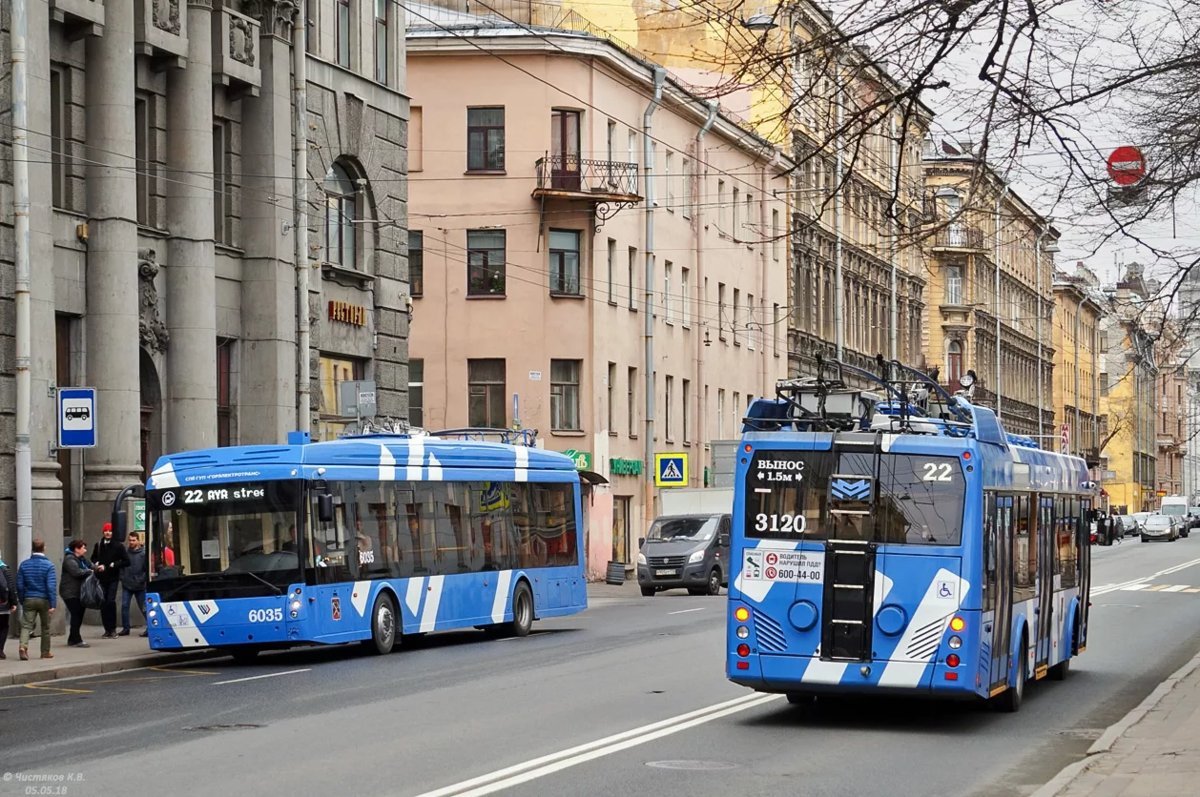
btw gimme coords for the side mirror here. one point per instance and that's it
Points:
(641, 541)
(723, 540)
(325, 508)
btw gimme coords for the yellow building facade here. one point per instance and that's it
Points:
(990, 261)
(1076, 322)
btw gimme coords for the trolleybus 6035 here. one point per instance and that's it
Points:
(901, 541)
(364, 538)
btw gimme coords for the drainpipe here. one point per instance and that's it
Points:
(300, 169)
(698, 243)
(1037, 264)
(839, 298)
(23, 454)
(660, 77)
(893, 255)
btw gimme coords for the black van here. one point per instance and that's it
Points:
(689, 551)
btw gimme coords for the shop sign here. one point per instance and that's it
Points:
(346, 313)
(625, 467)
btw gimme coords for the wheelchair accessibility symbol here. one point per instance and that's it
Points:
(945, 589)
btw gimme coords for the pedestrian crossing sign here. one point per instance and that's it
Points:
(671, 470)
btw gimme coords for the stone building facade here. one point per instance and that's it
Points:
(164, 232)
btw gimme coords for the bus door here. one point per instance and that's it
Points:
(1046, 539)
(330, 604)
(999, 528)
(1084, 554)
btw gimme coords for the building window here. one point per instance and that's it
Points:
(668, 278)
(311, 25)
(143, 147)
(341, 213)
(776, 235)
(224, 392)
(722, 208)
(564, 262)
(416, 393)
(631, 377)
(720, 413)
(685, 296)
(485, 139)
(381, 40)
(954, 285)
(416, 262)
(631, 154)
(633, 256)
(343, 33)
(686, 202)
(734, 319)
(612, 410)
(222, 184)
(612, 271)
(485, 393)
(564, 395)
(669, 179)
(668, 401)
(485, 262)
(58, 137)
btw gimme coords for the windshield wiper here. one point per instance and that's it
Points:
(187, 583)
(252, 574)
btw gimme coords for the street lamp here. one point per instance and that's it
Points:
(1051, 248)
(760, 22)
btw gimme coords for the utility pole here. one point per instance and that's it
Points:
(22, 452)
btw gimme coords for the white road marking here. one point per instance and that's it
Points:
(545, 765)
(259, 677)
(1107, 588)
(685, 611)
(1175, 588)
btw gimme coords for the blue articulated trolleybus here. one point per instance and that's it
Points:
(898, 540)
(365, 538)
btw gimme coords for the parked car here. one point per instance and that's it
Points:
(1141, 518)
(1160, 527)
(1129, 525)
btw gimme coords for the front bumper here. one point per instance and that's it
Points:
(672, 577)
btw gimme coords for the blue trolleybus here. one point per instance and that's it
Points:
(899, 541)
(363, 538)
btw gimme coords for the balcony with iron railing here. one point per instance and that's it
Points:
(573, 178)
(959, 237)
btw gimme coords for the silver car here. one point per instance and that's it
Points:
(1160, 527)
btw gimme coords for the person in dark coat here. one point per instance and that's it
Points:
(8, 606)
(109, 557)
(133, 581)
(75, 570)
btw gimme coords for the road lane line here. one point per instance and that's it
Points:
(1175, 588)
(260, 677)
(553, 762)
(1107, 588)
(685, 611)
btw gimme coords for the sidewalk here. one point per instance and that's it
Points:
(130, 652)
(1153, 751)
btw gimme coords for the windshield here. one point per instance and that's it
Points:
(679, 529)
(889, 498)
(225, 530)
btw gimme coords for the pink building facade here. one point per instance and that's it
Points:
(533, 233)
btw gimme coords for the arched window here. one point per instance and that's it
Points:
(954, 369)
(341, 216)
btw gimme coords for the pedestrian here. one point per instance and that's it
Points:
(75, 570)
(8, 601)
(35, 590)
(109, 557)
(133, 581)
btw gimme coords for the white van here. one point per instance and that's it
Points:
(1176, 506)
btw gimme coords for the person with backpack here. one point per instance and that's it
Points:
(8, 602)
(108, 558)
(133, 581)
(75, 570)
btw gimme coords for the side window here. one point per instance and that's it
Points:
(1024, 551)
(990, 546)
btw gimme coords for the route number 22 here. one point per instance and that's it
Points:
(936, 472)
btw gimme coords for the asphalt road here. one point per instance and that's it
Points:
(627, 698)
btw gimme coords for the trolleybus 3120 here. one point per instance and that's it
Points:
(901, 541)
(364, 538)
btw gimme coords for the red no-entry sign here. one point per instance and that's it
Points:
(1126, 165)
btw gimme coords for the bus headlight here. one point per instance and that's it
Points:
(153, 613)
(954, 642)
(697, 556)
(295, 607)
(641, 558)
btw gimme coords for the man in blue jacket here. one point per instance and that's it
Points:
(37, 591)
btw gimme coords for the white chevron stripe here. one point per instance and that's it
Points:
(500, 600)
(429, 613)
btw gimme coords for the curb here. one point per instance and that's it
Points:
(100, 667)
(1115, 731)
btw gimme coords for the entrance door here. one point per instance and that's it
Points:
(1046, 531)
(564, 150)
(620, 529)
(1084, 548)
(1003, 565)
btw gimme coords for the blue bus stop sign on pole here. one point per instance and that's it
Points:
(77, 417)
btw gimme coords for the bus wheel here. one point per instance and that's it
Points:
(1011, 698)
(383, 626)
(714, 581)
(1059, 671)
(245, 654)
(522, 620)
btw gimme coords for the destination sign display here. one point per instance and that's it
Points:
(175, 498)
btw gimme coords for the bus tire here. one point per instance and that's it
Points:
(714, 581)
(522, 604)
(1010, 699)
(383, 625)
(244, 654)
